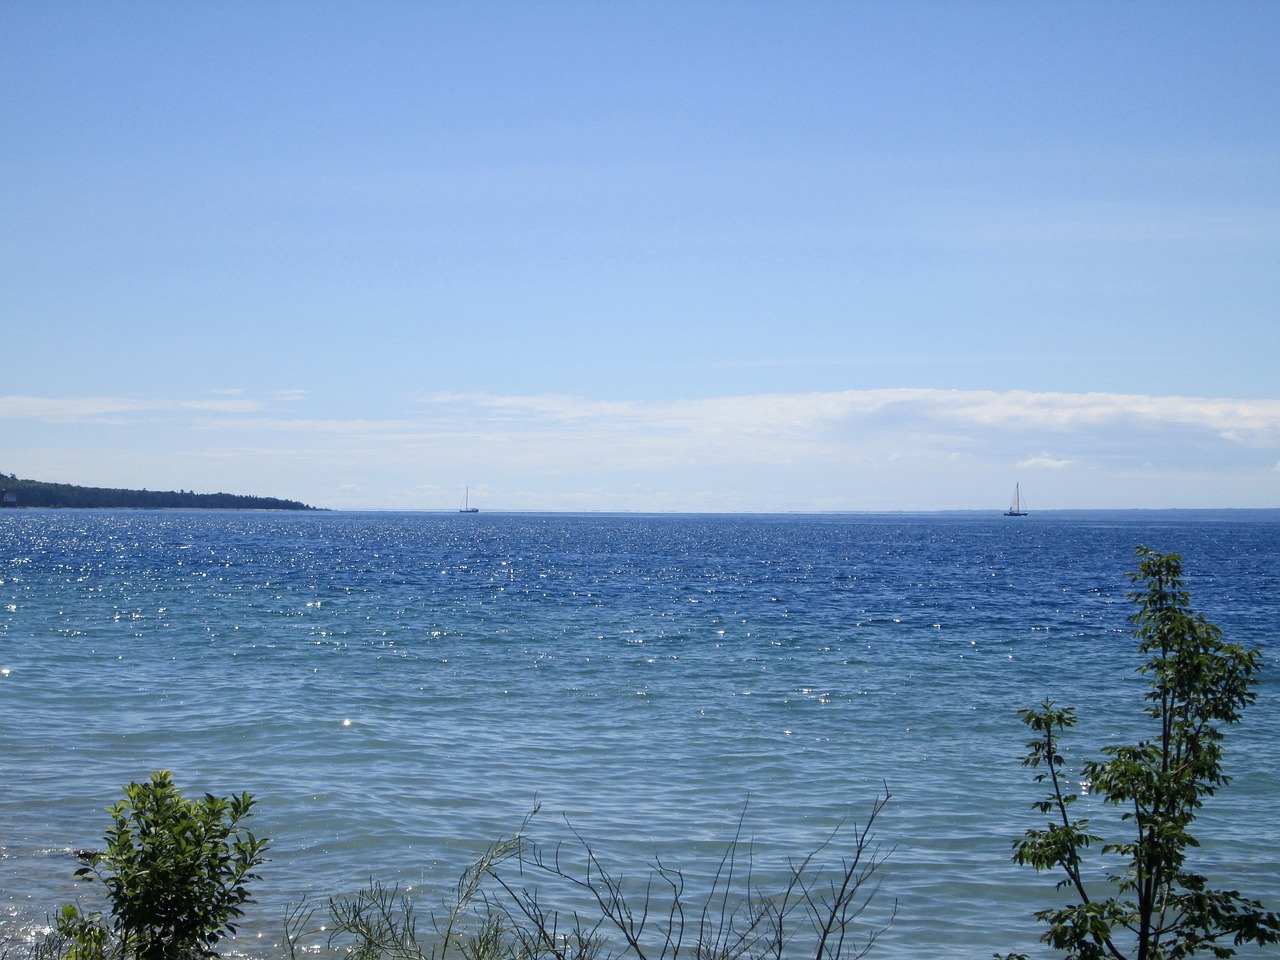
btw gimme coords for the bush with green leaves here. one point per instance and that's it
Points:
(1149, 903)
(175, 875)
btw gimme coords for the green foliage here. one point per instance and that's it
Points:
(176, 874)
(80, 936)
(1158, 908)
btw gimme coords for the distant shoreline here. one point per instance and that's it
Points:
(19, 494)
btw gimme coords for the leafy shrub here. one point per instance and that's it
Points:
(1159, 908)
(176, 874)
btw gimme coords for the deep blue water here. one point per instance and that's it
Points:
(399, 689)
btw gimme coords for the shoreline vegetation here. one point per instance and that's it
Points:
(173, 881)
(37, 493)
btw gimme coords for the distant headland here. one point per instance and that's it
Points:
(36, 493)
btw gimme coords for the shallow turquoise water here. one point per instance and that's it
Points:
(397, 690)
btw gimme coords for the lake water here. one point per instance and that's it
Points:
(397, 690)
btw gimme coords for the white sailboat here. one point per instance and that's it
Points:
(1017, 508)
(466, 502)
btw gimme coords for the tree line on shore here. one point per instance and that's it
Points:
(37, 493)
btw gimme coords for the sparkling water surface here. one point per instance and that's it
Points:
(398, 690)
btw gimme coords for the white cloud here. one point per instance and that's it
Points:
(1044, 460)
(872, 449)
(113, 409)
(773, 421)
(813, 414)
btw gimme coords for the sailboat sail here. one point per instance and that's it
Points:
(1017, 508)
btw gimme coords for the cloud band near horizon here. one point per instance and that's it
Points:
(768, 440)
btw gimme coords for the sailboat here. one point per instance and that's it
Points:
(1017, 508)
(466, 502)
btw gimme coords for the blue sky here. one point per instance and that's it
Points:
(644, 256)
